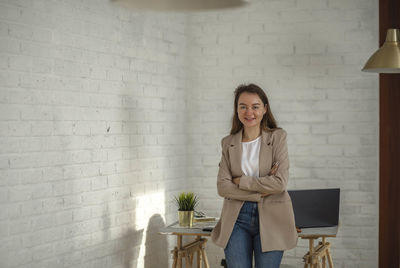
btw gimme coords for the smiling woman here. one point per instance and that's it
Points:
(250, 112)
(253, 171)
(251, 102)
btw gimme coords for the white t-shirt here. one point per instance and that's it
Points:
(250, 157)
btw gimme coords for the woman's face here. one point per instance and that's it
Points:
(250, 109)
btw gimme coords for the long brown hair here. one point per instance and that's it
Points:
(268, 122)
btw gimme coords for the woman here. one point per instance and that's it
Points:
(257, 214)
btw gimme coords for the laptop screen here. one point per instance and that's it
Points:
(316, 208)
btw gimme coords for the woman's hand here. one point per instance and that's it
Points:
(274, 169)
(236, 181)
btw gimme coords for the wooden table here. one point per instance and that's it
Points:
(321, 252)
(195, 247)
(312, 259)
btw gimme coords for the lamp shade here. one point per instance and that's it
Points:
(180, 5)
(387, 58)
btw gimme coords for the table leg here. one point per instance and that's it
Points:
(330, 258)
(203, 253)
(179, 241)
(318, 259)
(179, 246)
(175, 258)
(311, 245)
(311, 250)
(199, 257)
(191, 259)
(179, 261)
(187, 261)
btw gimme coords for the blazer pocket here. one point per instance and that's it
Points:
(279, 198)
(278, 202)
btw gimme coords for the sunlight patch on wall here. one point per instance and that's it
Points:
(147, 206)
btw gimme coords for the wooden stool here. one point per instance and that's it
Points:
(320, 253)
(188, 251)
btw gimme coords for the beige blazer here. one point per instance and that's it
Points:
(277, 225)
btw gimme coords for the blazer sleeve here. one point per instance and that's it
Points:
(226, 188)
(273, 184)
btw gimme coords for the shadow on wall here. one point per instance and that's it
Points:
(130, 246)
(125, 242)
(156, 244)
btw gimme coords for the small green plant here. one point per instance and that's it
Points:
(186, 201)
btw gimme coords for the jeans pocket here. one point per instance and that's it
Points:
(244, 216)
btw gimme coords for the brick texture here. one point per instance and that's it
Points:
(92, 133)
(307, 55)
(106, 113)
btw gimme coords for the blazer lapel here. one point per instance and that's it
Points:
(235, 154)
(265, 161)
(265, 158)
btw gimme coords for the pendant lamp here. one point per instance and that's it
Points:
(387, 58)
(179, 5)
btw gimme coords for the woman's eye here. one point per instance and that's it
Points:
(255, 107)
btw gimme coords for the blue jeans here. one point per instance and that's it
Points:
(245, 239)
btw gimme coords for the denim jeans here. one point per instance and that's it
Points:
(245, 239)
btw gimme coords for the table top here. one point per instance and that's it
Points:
(197, 227)
(318, 232)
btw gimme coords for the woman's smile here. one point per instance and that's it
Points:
(250, 109)
(249, 119)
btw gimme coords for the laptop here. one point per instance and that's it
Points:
(316, 208)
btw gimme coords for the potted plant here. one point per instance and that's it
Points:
(186, 203)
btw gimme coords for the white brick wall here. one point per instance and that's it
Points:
(308, 56)
(92, 133)
(106, 113)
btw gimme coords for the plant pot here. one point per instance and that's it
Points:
(185, 218)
